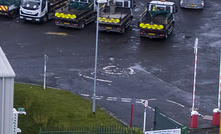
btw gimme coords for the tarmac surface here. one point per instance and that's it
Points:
(130, 68)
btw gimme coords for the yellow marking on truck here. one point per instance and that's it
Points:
(102, 6)
(143, 12)
(108, 20)
(3, 8)
(64, 34)
(151, 26)
(67, 16)
(91, 4)
(90, 12)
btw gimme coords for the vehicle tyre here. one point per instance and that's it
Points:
(12, 14)
(122, 29)
(166, 35)
(45, 19)
(82, 24)
(172, 28)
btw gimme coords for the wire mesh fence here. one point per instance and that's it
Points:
(92, 130)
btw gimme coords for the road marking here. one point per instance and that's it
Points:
(118, 71)
(126, 99)
(64, 34)
(175, 121)
(171, 119)
(86, 95)
(98, 97)
(111, 99)
(176, 103)
(140, 100)
(208, 117)
(93, 78)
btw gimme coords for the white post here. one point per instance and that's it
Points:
(219, 82)
(45, 61)
(194, 79)
(144, 119)
(145, 103)
(95, 68)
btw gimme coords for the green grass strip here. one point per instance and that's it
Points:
(52, 108)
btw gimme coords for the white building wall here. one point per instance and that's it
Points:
(6, 95)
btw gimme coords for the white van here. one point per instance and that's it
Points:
(194, 4)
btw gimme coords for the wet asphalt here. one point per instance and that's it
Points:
(130, 69)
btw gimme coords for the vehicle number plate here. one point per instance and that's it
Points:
(28, 19)
(66, 23)
(151, 33)
(192, 5)
(108, 27)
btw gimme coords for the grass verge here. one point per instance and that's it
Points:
(55, 108)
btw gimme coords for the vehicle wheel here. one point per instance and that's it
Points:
(172, 28)
(166, 35)
(45, 19)
(122, 29)
(12, 14)
(82, 24)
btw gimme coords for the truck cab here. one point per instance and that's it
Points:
(30, 8)
(39, 10)
(162, 6)
(124, 3)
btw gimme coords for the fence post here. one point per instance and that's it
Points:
(40, 131)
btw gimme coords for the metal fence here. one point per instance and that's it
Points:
(92, 130)
(162, 121)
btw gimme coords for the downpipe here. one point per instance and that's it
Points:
(3, 87)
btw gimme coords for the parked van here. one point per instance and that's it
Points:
(194, 4)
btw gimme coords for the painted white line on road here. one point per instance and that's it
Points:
(86, 95)
(176, 103)
(151, 108)
(170, 119)
(208, 117)
(108, 67)
(111, 99)
(151, 99)
(98, 97)
(131, 71)
(97, 79)
(126, 99)
(175, 121)
(140, 100)
(201, 115)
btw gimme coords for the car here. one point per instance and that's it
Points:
(192, 4)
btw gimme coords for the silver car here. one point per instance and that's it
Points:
(194, 4)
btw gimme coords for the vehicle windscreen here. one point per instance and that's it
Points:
(160, 8)
(30, 4)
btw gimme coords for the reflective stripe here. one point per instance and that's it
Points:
(108, 20)
(151, 26)
(67, 16)
(4, 8)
